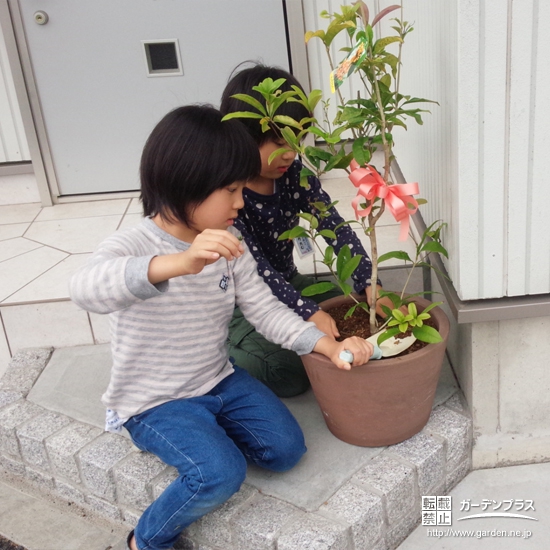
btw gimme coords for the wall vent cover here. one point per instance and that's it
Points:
(162, 57)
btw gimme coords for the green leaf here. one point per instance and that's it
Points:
(434, 246)
(289, 137)
(427, 334)
(350, 311)
(360, 154)
(344, 256)
(398, 254)
(317, 152)
(287, 121)
(329, 256)
(329, 234)
(349, 267)
(335, 29)
(398, 315)
(297, 231)
(306, 172)
(241, 114)
(277, 153)
(379, 45)
(310, 218)
(345, 288)
(318, 288)
(314, 97)
(251, 101)
(431, 306)
(317, 34)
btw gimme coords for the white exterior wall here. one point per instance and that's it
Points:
(13, 144)
(490, 140)
(479, 157)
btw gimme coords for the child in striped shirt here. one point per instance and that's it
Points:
(170, 286)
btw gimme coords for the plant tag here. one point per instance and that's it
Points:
(303, 246)
(348, 66)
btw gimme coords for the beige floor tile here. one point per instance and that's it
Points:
(57, 324)
(21, 270)
(19, 213)
(100, 328)
(135, 207)
(74, 235)
(4, 352)
(15, 247)
(52, 285)
(88, 209)
(12, 230)
(130, 220)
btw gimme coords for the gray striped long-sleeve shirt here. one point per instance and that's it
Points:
(168, 340)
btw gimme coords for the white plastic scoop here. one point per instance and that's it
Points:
(388, 348)
(392, 346)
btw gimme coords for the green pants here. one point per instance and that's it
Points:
(279, 369)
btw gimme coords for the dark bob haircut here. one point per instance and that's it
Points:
(242, 81)
(190, 154)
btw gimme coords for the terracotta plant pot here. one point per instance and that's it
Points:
(382, 402)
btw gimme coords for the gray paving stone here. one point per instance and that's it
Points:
(131, 517)
(428, 455)
(395, 481)
(396, 535)
(133, 477)
(9, 396)
(103, 508)
(33, 433)
(360, 509)
(380, 545)
(39, 479)
(11, 417)
(184, 543)
(458, 403)
(24, 368)
(455, 429)
(163, 480)
(97, 460)
(70, 492)
(215, 527)
(314, 532)
(260, 521)
(458, 474)
(12, 466)
(91, 469)
(63, 447)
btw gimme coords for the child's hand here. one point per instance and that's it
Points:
(209, 246)
(359, 347)
(325, 323)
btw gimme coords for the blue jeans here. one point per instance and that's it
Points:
(209, 440)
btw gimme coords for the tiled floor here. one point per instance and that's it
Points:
(40, 247)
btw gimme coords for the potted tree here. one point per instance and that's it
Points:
(381, 402)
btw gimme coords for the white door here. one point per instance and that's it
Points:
(106, 71)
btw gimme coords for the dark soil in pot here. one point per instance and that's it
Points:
(358, 325)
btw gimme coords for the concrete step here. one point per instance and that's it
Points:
(348, 497)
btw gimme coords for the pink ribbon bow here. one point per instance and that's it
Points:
(398, 197)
